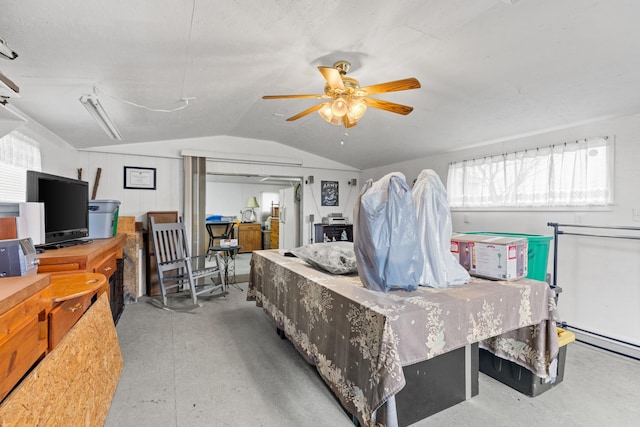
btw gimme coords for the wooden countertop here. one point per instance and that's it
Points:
(67, 286)
(14, 290)
(80, 253)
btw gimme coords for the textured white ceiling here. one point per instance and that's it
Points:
(490, 69)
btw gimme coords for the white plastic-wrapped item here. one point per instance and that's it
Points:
(385, 235)
(333, 257)
(434, 228)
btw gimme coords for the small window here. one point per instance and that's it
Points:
(268, 199)
(575, 174)
(18, 153)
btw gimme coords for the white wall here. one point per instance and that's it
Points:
(600, 277)
(61, 159)
(229, 198)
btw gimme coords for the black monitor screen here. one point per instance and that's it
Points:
(66, 205)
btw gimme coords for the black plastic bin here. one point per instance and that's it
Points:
(522, 379)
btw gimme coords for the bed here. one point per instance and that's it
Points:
(360, 340)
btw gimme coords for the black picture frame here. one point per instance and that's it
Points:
(329, 193)
(139, 178)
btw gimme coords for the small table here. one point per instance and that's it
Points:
(228, 259)
(223, 228)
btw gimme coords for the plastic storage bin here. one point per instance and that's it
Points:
(538, 252)
(102, 218)
(522, 379)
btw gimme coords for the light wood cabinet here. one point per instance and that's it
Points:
(250, 237)
(24, 304)
(73, 384)
(73, 294)
(275, 233)
(100, 256)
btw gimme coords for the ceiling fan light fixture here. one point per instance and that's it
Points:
(357, 108)
(339, 107)
(327, 115)
(348, 101)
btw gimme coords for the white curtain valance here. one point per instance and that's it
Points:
(571, 174)
(18, 153)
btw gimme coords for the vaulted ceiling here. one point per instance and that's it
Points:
(490, 69)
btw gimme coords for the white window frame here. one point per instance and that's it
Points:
(18, 153)
(556, 177)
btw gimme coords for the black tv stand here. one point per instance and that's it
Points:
(66, 244)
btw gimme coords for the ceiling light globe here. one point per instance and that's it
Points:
(357, 108)
(325, 112)
(339, 107)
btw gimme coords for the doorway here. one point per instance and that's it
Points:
(230, 196)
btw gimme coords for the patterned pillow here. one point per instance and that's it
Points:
(333, 257)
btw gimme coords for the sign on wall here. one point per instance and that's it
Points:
(329, 193)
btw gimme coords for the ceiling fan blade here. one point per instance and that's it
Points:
(332, 76)
(393, 86)
(388, 106)
(305, 112)
(348, 123)
(317, 96)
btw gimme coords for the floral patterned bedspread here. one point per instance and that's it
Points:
(359, 339)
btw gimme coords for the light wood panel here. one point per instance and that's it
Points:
(75, 383)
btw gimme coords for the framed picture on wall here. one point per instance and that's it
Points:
(139, 178)
(329, 193)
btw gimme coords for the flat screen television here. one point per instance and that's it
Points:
(66, 207)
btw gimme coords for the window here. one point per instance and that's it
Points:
(267, 200)
(18, 153)
(567, 175)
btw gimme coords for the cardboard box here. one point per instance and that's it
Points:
(126, 225)
(493, 257)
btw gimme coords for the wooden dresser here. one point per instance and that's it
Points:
(25, 303)
(73, 383)
(250, 236)
(73, 295)
(275, 233)
(100, 256)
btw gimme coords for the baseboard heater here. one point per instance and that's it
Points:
(607, 343)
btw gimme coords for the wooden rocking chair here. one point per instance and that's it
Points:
(177, 269)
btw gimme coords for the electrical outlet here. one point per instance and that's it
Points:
(580, 218)
(466, 218)
(636, 214)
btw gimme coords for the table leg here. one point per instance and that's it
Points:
(231, 258)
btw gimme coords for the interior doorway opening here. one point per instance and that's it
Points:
(231, 196)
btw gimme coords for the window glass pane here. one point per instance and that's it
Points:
(18, 153)
(573, 174)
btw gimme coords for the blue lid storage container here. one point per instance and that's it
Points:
(102, 217)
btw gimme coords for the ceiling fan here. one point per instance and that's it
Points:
(349, 101)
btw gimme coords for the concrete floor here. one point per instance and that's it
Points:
(224, 365)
